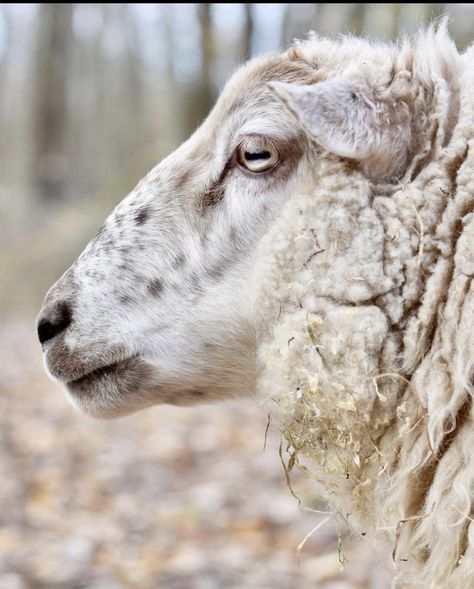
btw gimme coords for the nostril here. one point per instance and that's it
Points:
(53, 322)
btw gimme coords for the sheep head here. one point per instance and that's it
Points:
(161, 306)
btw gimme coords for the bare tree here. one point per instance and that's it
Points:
(122, 72)
(357, 18)
(248, 31)
(395, 13)
(50, 102)
(298, 20)
(205, 86)
(200, 93)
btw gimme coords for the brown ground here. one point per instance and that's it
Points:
(165, 499)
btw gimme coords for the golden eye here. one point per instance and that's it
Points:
(258, 159)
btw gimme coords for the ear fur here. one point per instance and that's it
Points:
(348, 122)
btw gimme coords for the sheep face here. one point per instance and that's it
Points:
(157, 309)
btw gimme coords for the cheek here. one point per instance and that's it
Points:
(253, 203)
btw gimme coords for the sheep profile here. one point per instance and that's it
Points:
(312, 243)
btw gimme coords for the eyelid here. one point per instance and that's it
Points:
(257, 137)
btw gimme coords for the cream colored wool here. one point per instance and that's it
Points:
(368, 363)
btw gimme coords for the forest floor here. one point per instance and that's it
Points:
(168, 498)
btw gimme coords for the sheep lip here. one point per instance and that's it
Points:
(100, 372)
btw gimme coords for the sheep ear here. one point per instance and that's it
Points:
(341, 119)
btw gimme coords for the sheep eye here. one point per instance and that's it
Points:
(258, 159)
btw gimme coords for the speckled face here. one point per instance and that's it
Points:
(157, 309)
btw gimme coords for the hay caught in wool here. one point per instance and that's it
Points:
(367, 309)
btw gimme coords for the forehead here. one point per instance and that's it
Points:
(246, 94)
(246, 105)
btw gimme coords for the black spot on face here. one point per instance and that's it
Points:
(195, 283)
(155, 287)
(142, 215)
(125, 299)
(179, 261)
(216, 271)
(212, 197)
(183, 180)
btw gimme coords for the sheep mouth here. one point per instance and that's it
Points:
(109, 374)
(97, 373)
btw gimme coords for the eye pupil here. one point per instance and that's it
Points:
(257, 155)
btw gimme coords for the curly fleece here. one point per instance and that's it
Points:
(367, 308)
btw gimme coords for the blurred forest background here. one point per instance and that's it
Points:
(94, 95)
(91, 97)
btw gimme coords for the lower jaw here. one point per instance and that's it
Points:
(102, 404)
(117, 391)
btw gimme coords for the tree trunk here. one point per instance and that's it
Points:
(202, 95)
(395, 20)
(247, 32)
(50, 161)
(357, 18)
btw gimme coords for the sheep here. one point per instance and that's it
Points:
(311, 244)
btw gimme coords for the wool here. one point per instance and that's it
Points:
(337, 284)
(365, 305)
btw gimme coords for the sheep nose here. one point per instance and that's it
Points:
(53, 321)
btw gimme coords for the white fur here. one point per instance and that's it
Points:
(337, 285)
(366, 327)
